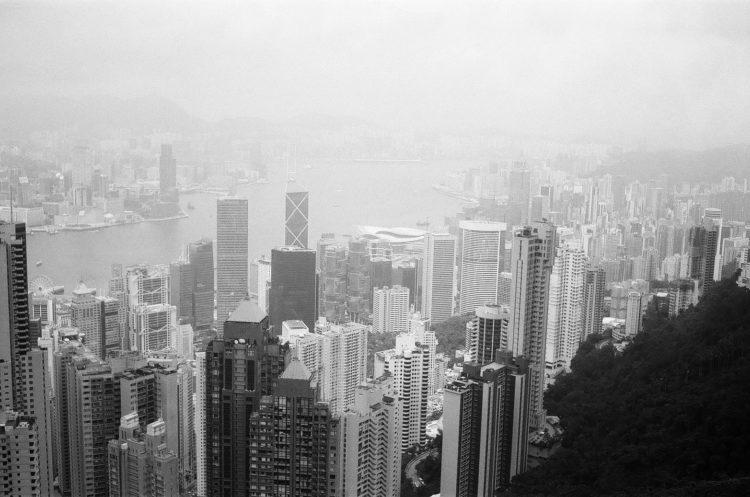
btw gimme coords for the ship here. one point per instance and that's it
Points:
(38, 263)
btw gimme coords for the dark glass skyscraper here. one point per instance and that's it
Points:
(293, 286)
(296, 219)
(241, 369)
(14, 311)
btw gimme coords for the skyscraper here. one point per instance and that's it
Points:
(482, 245)
(143, 453)
(409, 365)
(343, 356)
(293, 286)
(531, 265)
(201, 257)
(390, 310)
(333, 292)
(369, 445)
(20, 453)
(485, 419)
(438, 277)
(593, 302)
(231, 256)
(635, 313)
(359, 290)
(565, 309)
(486, 333)
(296, 219)
(14, 310)
(167, 173)
(241, 368)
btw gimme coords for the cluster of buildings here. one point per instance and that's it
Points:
(216, 375)
(89, 193)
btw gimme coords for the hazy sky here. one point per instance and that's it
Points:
(665, 73)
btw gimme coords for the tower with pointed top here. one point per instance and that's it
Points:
(296, 224)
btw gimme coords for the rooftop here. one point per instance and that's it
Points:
(296, 371)
(247, 311)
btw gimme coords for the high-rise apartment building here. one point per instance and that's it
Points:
(482, 246)
(485, 435)
(200, 429)
(293, 286)
(20, 456)
(369, 443)
(593, 302)
(438, 277)
(635, 314)
(486, 333)
(144, 454)
(240, 369)
(390, 310)
(409, 365)
(531, 265)
(231, 256)
(504, 287)
(565, 309)
(92, 405)
(296, 225)
(343, 356)
(301, 459)
(14, 310)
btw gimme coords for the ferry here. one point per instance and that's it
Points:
(38, 263)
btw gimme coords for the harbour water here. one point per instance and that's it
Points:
(343, 194)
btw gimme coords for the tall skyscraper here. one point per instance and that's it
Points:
(92, 405)
(635, 313)
(485, 435)
(241, 368)
(296, 219)
(359, 289)
(301, 459)
(409, 365)
(565, 309)
(482, 245)
(20, 456)
(200, 429)
(531, 265)
(263, 283)
(390, 310)
(333, 291)
(167, 173)
(438, 277)
(486, 333)
(343, 356)
(231, 256)
(201, 257)
(143, 453)
(293, 286)
(14, 311)
(369, 443)
(593, 302)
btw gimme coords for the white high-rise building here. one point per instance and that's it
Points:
(369, 446)
(482, 250)
(344, 363)
(438, 276)
(231, 257)
(635, 312)
(390, 309)
(155, 327)
(420, 328)
(531, 264)
(408, 364)
(200, 423)
(565, 310)
(486, 333)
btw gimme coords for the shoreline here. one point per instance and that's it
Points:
(98, 226)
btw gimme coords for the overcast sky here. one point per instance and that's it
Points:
(665, 73)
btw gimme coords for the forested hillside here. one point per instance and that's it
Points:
(669, 416)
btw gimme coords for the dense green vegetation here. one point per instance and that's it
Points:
(451, 334)
(669, 416)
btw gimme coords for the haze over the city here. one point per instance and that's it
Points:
(659, 74)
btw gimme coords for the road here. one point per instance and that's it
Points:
(411, 468)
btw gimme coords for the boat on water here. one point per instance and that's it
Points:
(38, 263)
(190, 206)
